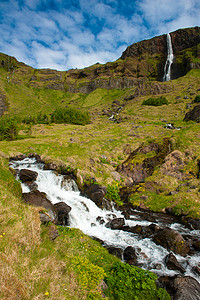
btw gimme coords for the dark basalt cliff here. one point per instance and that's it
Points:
(186, 49)
(141, 62)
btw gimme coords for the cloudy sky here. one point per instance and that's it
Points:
(65, 34)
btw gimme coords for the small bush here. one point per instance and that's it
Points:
(127, 282)
(155, 101)
(197, 99)
(70, 116)
(9, 128)
(112, 193)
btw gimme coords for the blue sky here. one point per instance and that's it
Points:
(64, 34)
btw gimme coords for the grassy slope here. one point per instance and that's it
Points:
(28, 256)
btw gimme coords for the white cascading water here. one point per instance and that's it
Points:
(84, 216)
(169, 61)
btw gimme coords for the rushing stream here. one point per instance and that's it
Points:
(84, 214)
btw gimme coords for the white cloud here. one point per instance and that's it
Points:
(91, 31)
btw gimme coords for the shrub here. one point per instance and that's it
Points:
(8, 128)
(127, 282)
(70, 116)
(197, 99)
(155, 101)
(112, 193)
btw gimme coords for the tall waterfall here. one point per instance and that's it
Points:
(169, 61)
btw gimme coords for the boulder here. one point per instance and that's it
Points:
(172, 241)
(130, 255)
(116, 223)
(172, 263)
(36, 198)
(27, 175)
(181, 287)
(62, 210)
(96, 193)
(115, 251)
(193, 115)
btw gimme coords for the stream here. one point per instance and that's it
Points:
(84, 215)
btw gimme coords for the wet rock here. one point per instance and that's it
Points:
(196, 270)
(172, 263)
(36, 198)
(154, 227)
(96, 193)
(97, 239)
(32, 185)
(100, 220)
(117, 223)
(181, 287)
(172, 241)
(187, 288)
(62, 210)
(18, 157)
(27, 175)
(115, 251)
(196, 244)
(193, 224)
(193, 115)
(130, 255)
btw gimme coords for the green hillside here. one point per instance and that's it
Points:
(32, 265)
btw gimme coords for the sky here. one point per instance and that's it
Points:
(64, 34)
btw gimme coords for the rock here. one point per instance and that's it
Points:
(32, 185)
(137, 167)
(27, 175)
(193, 115)
(50, 166)
(196, 270)
(196, 244)
(115, 251)
(173, 164)
(62, 210)
(116, 223)
(187, 288)
(172, 263)
(181, 287)
(18, 157)
(172, 241)
(100, 220)
(37, 198)
(130, 255)
(96, 193)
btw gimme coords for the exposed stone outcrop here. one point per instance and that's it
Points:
(116, 223)
(136, 167)
(193, 115)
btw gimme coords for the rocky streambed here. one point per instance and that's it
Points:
(162, 243)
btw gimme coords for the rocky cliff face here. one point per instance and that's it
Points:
(142, 61)
(185, 43)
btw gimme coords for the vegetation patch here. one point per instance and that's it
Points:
(9, 128)
(129, 282)
(155, 101)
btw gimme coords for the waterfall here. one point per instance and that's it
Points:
(85, 215)
(169, 61)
